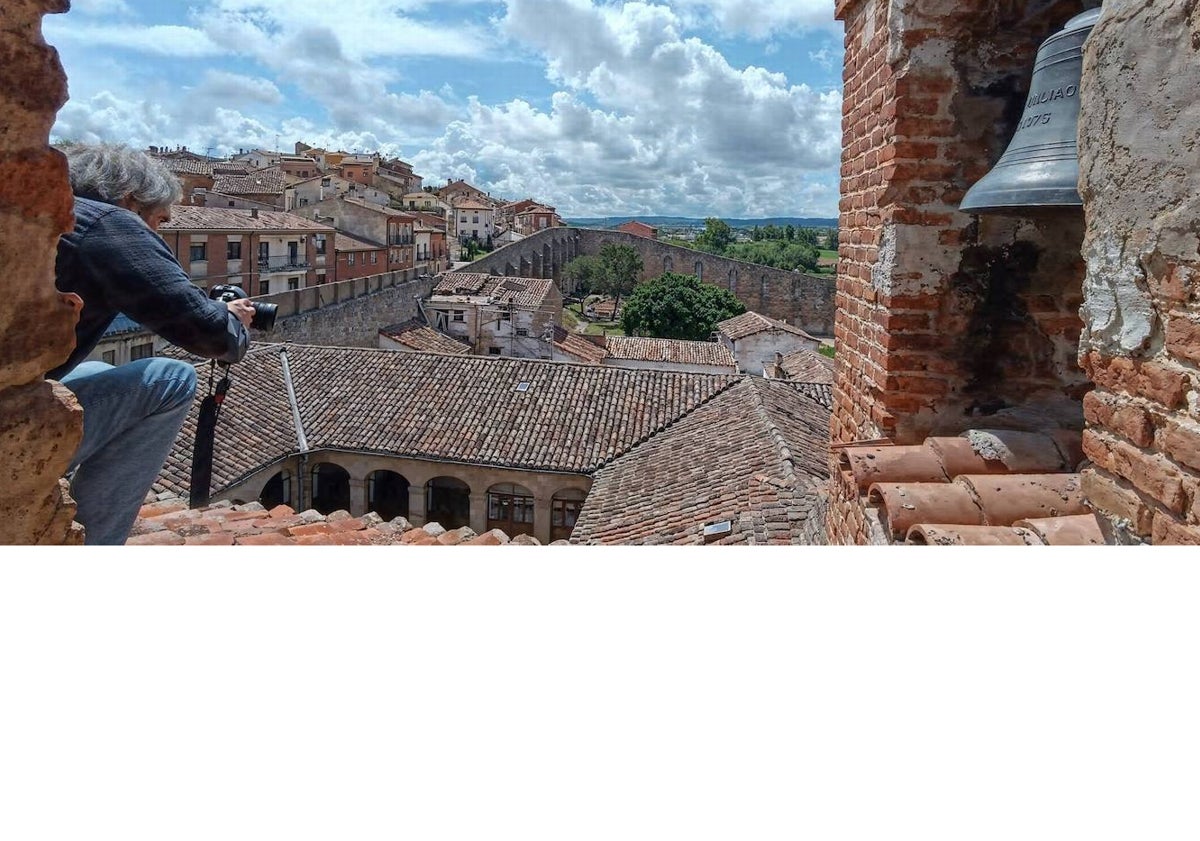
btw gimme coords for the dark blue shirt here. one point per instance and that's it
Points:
(116, 264)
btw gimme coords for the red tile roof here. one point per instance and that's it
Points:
(345, 242)
(750, 323)
(804, 366)
(752, 461)
(257, 182)
(981, 487)
(186, 217)
(568, 418)
(171, 523)
(579, 347)
(676, 351)
(420, 336)
(522, 291)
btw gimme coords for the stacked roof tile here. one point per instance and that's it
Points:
(453, 408)
(578, 347)
(804, 366)
(418, 335)
(750, 465)
(171, 523)
(677, 351)
(984, 487)
(522, 291)
(267, 181)
(750, 323)
(185, 217)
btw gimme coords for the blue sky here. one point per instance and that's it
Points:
(681, 107)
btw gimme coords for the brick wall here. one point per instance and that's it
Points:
(40, 422)
(946, 320)
(1138, 129)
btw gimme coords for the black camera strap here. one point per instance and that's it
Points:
(206, 427)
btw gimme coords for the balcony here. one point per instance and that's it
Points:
(394, 240)
(283, 264)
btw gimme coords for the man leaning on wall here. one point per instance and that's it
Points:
(115, 262)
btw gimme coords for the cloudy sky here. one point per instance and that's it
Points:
(599, 107)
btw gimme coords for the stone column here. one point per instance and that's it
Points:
(478, 521)
(40, 421)
(358, 496)
(541, 516)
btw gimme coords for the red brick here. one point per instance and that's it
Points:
(310, 528)
(1182, 443)
(281, 511)
(1158, 382)
(1150, 473)
(159, 509)
(1117, 498)
(1183, 337)
(347, 524)
(268, 539)
(212, 539)
(1119, 416)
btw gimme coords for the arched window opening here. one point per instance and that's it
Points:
(330, 488)
(668, 264)
(699, 270)
(564, 512)
(510, 508)
(387, 494)
(448, 502)
(277, 491)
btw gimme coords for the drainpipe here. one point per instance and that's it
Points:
(301, 439)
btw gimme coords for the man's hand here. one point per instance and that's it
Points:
(243, 309)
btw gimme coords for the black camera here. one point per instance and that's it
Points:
(264, 314)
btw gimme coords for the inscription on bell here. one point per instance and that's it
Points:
(1050, 95)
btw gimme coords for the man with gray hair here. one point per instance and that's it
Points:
(116, 263)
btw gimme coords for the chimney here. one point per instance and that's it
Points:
(254, 213)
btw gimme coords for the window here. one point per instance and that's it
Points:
(505, 315)
(350, 259)
(374, 257)
(293, 283)
(264, 287)
(493, 351)
(320, 278)
(521, 331)
(109, 357)
(459, 315)
(233, 250)
(320, 240)
(475, 219)
(510, 507)
(197, 252)
(564, 512)
(142, 351)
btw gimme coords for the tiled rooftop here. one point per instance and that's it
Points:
(984, 487)
(804, 366)
(420, 336)
(172, 523)
(186, 217)
(578, 347)
(345, 242)
(569, 418)
(670, 350)
(522, 291)
(186, 166)
(256, 182)
(749, 323)
(752, 462)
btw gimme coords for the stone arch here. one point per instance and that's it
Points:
(668, 263)
(387, 494)
(510, 270)
(536, 264)
(510, 508)
(277, 490)
(448, 502)
(564, 511)
(525, 268)
(547, 262)
(330, 487)
(733, 281)
(700, 270)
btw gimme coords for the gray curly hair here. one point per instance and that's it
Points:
(113, 173)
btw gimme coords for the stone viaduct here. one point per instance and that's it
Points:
(803, 300)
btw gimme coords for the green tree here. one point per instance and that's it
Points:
(716, 236)
(586, 274)
(622, 269)
(678, 306)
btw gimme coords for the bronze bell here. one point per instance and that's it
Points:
(1040, 167)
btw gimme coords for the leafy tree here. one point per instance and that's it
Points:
(586, 273)
(678, 306)
(622, 269)
(777, 253)
(716, 236)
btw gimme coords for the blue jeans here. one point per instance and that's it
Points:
(131, 416)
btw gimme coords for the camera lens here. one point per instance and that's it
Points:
(264, 316)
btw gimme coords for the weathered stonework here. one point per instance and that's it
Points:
(40, 423)
(1140, 179)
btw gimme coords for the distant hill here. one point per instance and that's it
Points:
(686, 222)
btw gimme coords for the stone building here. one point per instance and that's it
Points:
(496, 316)
(756, 340)
(1060, 346)
(371, 222)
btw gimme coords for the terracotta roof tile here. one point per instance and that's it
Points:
(186, 217)
(424, 405)
(345, 242)
(759, 480)
(420, 336)
(578, 346)
(523, 291)
(806, 366)
(257, 182)
(750, 323)
(675, 351)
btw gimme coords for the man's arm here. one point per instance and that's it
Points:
(138, 275)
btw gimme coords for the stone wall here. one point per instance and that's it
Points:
(40, 422)
(803, 300)
(347, 313)
(1139, 128)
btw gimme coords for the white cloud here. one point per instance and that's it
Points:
(97, 8)
(758, 18)
(222, 87)
(168, 41)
